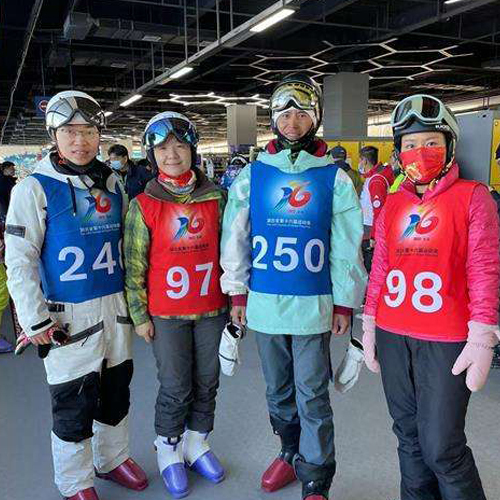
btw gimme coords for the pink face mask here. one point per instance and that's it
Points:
(422, 165)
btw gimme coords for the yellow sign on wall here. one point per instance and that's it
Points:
(384, 146)
(494, 167)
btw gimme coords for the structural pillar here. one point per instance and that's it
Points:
(241, 127)
(345, 106)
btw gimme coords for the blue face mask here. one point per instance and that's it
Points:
(116, 164)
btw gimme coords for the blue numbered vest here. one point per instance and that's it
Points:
(291, 216)
(81, 254)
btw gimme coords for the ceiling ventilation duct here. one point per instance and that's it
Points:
(118, 65)
(151, 38)
(493, 64)
(77, 25)
(59, 58)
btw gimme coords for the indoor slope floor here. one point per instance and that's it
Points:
(366, 448)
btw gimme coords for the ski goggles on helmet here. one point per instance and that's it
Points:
(63, 111)
(303, 96)
(158, 132)
(424, 109)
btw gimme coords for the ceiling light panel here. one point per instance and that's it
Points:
(316, 65)
(271, 20)
(183, 71)
(216, 100)
(450, 87)
(130, 100)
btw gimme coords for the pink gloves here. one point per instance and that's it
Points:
(477, 355)
(369, 343)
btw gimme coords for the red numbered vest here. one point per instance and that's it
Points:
(425, 294)
(184, 272)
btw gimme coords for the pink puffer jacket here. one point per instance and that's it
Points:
(483, 259)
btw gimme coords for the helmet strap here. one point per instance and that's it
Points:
(77, 169)
(443, 172)
(298, 144)
(73, 167)
(436, 179)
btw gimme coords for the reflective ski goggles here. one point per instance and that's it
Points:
(158, 132)
(426, 109)
(302, 95)
(63, 111)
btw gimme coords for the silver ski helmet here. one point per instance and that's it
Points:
(73, 107)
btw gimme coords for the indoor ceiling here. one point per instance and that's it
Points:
(114, 49)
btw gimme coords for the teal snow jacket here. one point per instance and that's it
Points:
(294, 314)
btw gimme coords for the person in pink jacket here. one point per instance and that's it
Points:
(431, 311)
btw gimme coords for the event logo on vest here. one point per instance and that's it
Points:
(293, 196)
(425, 293)
(421, 223)
(98, 210)
(290, 250)
(189, 224)
(98, 202)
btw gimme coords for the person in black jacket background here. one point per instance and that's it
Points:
(339, 156)
(7, 182)
(134, 177)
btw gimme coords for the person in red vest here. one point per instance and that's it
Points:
(431, 313)
(378, 178)
(171, 249)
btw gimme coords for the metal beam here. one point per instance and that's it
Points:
(180, 6)
(72, 5)
(231, 39)
(427, 16)
(35, 14)
(436, 18)
(313, 11)
(459, 39)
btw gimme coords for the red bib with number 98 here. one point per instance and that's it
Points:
(184, 272)
(425, 294)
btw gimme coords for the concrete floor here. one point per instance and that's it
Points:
(366, 447)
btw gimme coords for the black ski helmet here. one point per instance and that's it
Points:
(425, 113)
(298, 91)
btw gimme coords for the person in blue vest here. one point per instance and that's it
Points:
(236, 164)
(292, 265)
(65, 274)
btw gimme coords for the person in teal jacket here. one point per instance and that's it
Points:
(292, 265)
